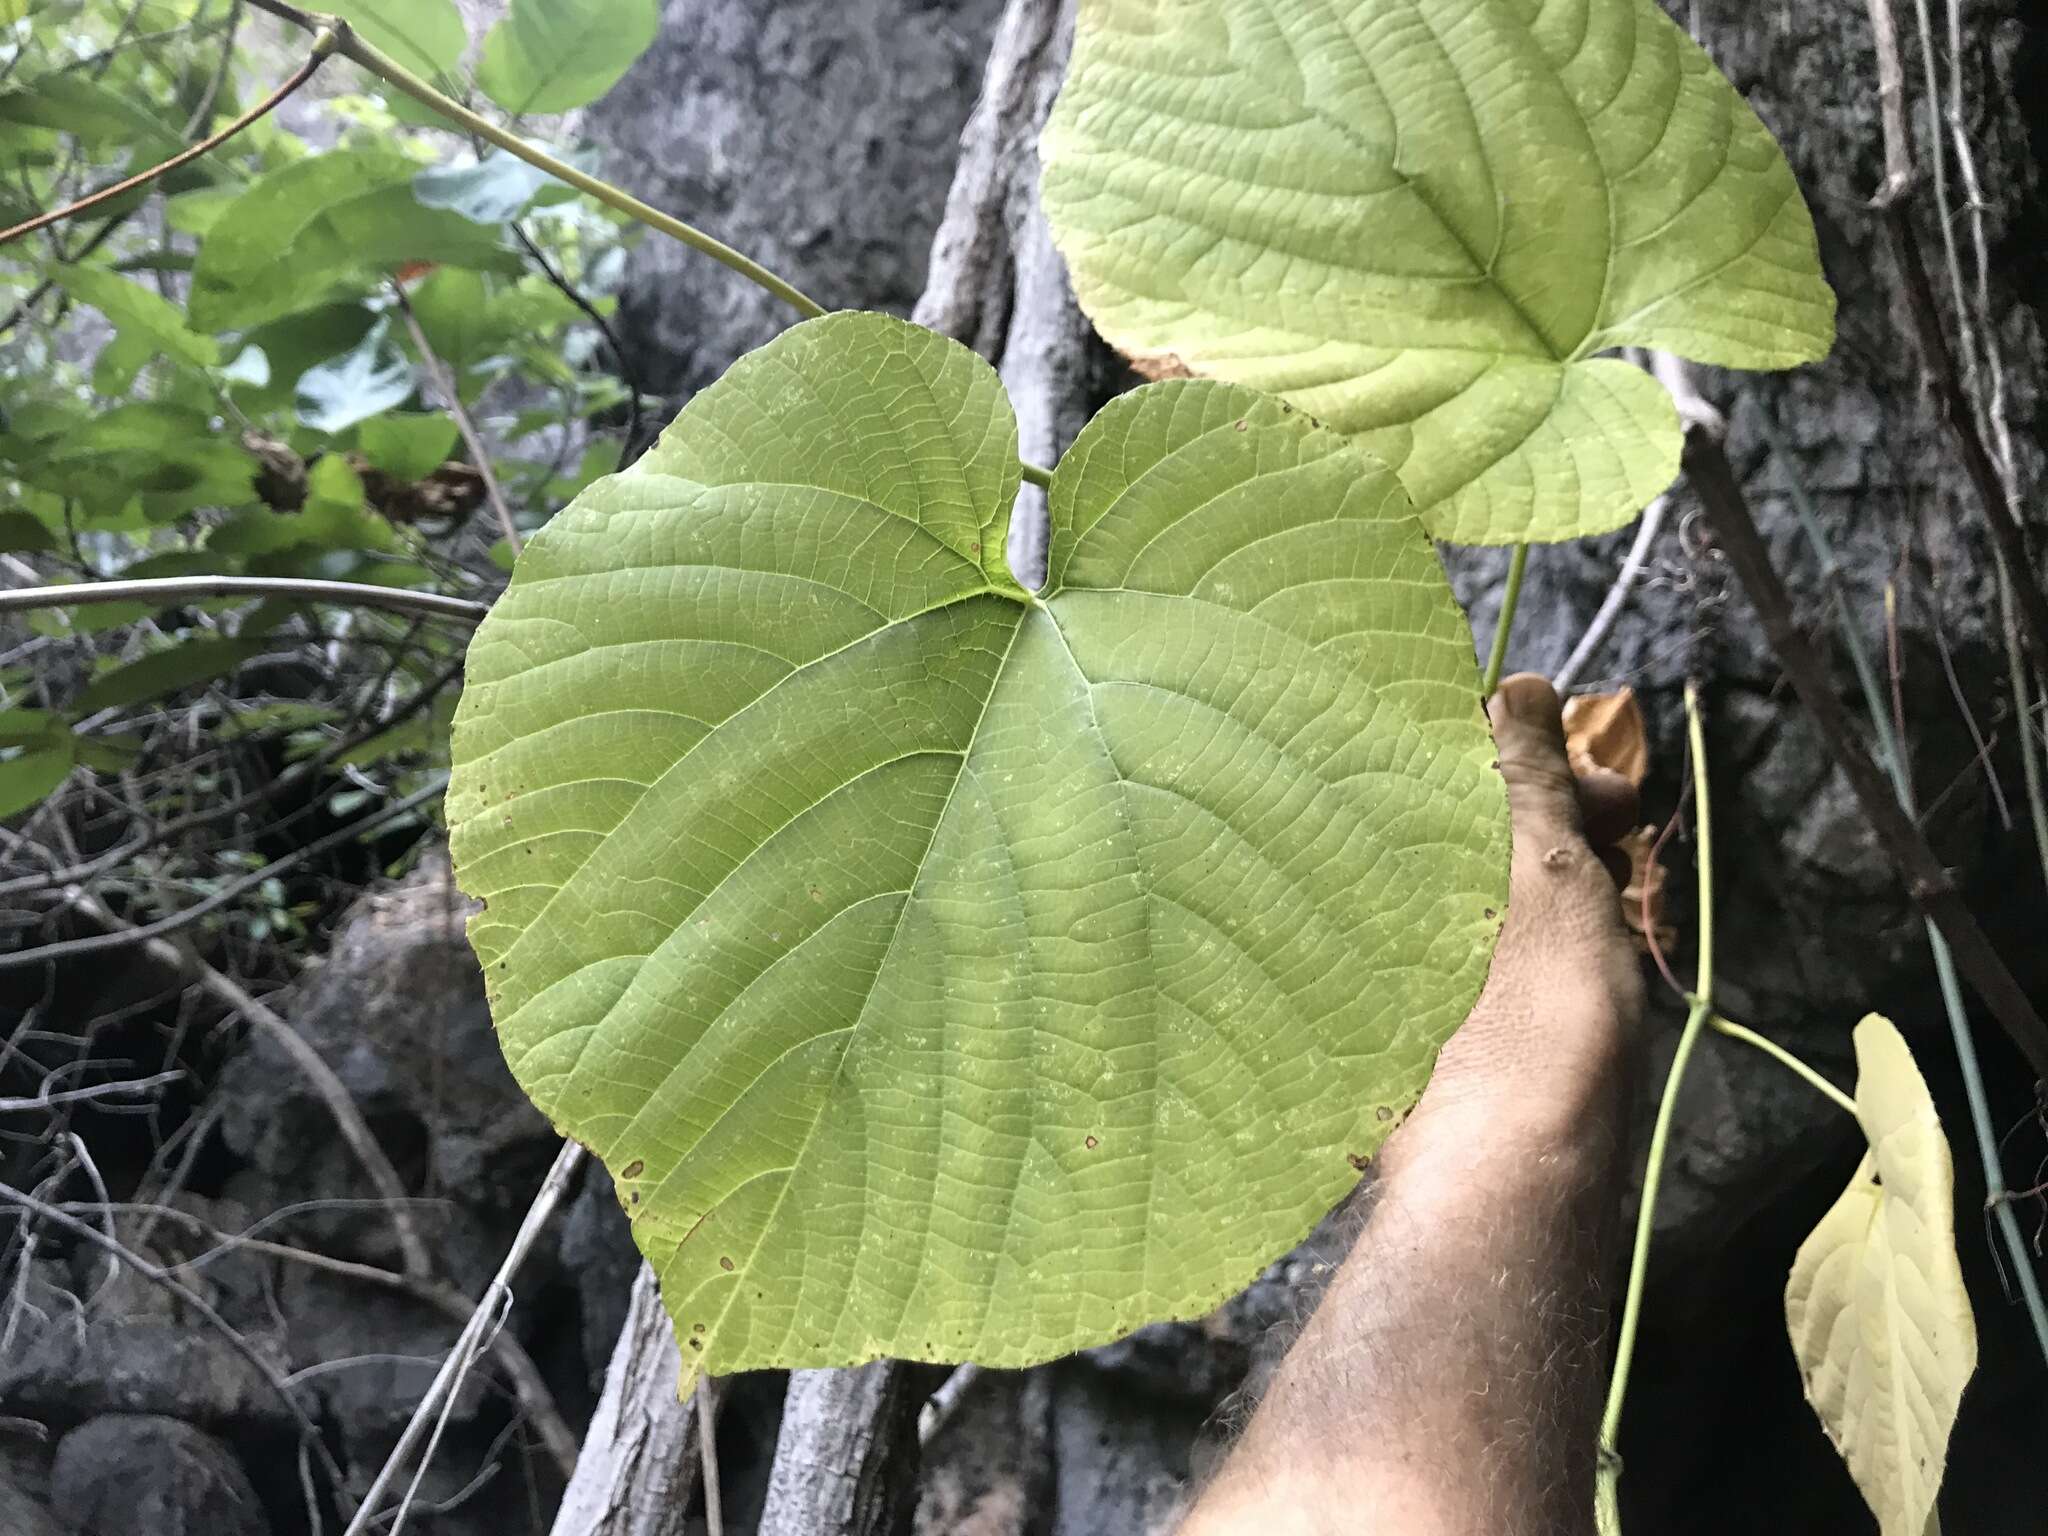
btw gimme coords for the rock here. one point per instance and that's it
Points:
(70, 1365)
(1120, 1454)
(988, 1465)
(397, 1010)
(596, 1248)
(25, 1481)
(818, 136)
(123, 1474)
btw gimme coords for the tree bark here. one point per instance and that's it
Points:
(847, 1458)
(638, 1467)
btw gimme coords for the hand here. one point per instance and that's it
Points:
(1450, 1381)
(1550, 1048)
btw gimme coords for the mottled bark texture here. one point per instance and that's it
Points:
(818, 136)
(639, 1464)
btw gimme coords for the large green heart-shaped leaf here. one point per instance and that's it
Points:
(1421, 220)
(945, 971)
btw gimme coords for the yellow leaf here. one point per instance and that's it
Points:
(1879, 1318)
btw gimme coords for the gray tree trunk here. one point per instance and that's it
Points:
(639, 1463)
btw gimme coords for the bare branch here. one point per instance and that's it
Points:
(325, 41)
(490, 1309)
(45, 1100)
(1891, 102)
(1616, 598)
(171, 589)
(638, 1468)
(132, 933)
(451, 397)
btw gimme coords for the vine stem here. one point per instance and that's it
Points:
(172, 589)
(1702, 1009)
(1783, 1058)
(326, 40)
(1036, 474)
(352, 47)
(1510, 599)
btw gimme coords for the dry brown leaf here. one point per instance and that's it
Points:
(1645, 873)
(1605, 730)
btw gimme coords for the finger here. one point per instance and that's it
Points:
(1620, 868)
(1608, 806)
(1528, 738)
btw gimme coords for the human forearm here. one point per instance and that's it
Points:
(1449, 1383)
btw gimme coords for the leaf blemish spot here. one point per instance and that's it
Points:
(725, 1264)
(634, 1169)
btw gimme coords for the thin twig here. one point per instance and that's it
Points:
(528, 1384)
(380, 64)
(629, 374)
(451, 397)
(302, 770)
(348, 1119)
(496, 1298)
(1927, 880)
(158, 1276)
(1616, 598)
(325, 41)
(1783, 1058)
(1931, 334)
(707, 1454)
(174, 589)
(97, 1091)
(1891, 101)
(1961, 417)
(184, 917)
(1701, 1009)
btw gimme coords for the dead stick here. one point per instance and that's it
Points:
(444, 385)
(348, 1119)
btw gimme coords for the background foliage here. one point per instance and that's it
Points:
(254, 368)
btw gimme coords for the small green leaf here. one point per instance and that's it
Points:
(136, 310)
(499, 187)
(1879, 1317)
(304, 230)
(107, 754)
(30, 775)
(368, 379)
(167, 671)
(554, 55)
(1424, 221)
(32, 727)
(334, 492)
(120, 362)
(25, 533)
(453, 310)
(426, 36)
(407, 445)
(97, 116)
(946, 971)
